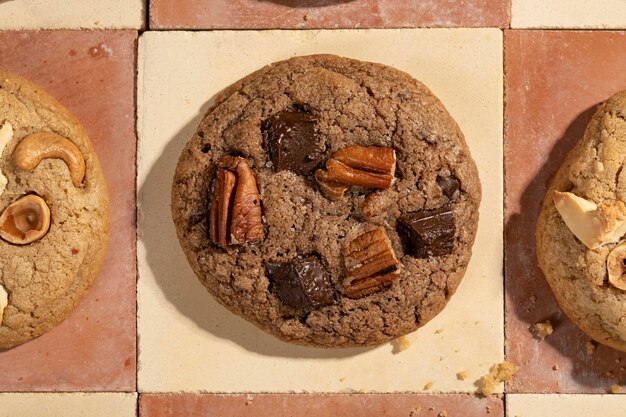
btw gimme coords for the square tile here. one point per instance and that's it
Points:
(309, 14)
(72, 14)
(554, 80)
(528, 405)
(364, 405)
(68, 405)
(188, 342)
(568, 14)
(93, 75)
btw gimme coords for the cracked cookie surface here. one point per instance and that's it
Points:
(593, 170)
(44, 280)
(353, 103)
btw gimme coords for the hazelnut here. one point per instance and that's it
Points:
(594, 225)
(25, 221)
(616, 266)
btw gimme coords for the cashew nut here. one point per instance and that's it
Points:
(4, 301)
(616, 266)
(25, 221)
(6, 134)
(38, 146)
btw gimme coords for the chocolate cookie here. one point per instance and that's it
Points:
(331, 202)
(53, 212)
(581, 231)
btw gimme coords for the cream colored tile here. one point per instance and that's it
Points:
(68, 405)
(568, 14)
(72, 14)
(551, 405)
(189, 342)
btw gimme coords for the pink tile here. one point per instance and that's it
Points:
(553, 82)
(319, 405)
(93, 74)
(307, 14)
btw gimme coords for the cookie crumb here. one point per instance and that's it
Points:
(541, 330)
(428, 385)
(488, 410)
(438, 331)
(400, 344)
(616, 389)
(306, 17)
(443, 414)
(415, 412)
(501, 372)
(461, 376)
(591, 347)
(556, 367)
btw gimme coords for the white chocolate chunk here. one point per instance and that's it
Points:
(593, 225)
(616, 267)
(6, 134)
(4, 301)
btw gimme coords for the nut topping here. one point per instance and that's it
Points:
(594, 225)
(4, 301)
(6, 134)
(370, 264)
(235, 216)
(39, 146)
(25, 221)
(372, 167)
(616, 266)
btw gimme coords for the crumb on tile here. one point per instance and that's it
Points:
(555, 367)
(616, 389)
(461, 376)
(438, 331)
(400, 344)
(443, 414)
(415, 412)
(428, 385)
(500, 372)
(488, 410)
(591, 347)
(542, 329)
(306, 17)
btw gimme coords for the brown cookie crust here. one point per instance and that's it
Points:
(46, 279)
(578, 275)
(356, 103)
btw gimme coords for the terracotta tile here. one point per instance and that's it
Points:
(68, 405)
(364, 405)
(553, 82)
(568, 14)
(92, 73)
(463, 67)
(276, 14)
(72, 14)
(518, 405)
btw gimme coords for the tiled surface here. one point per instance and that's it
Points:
(565, 405)
(72, 14)
(91, 73)
(568, 14)
(68, 405)
(186, 336)
(362, 405)
(307, 14)
(553, 81)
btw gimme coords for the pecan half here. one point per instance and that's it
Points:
(370, 264)
(235, 215)
(372, 167)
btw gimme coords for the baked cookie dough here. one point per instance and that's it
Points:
(54, 221)
(329, 201)
(581, 231)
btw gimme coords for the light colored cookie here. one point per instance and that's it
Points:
(47, 164)
(583, 222)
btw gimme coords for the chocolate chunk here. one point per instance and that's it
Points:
(302, 283)
(449, 186)
(428, 232)
(293, 141)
